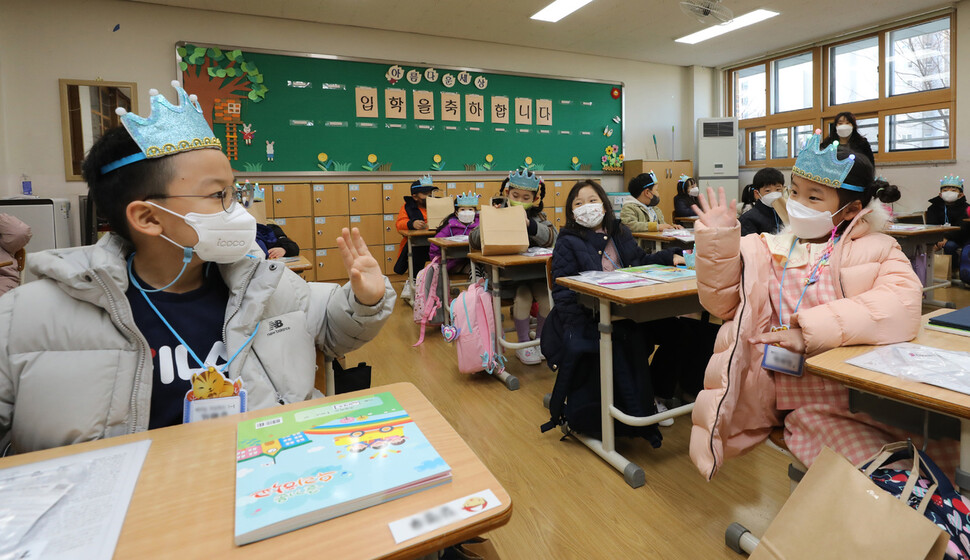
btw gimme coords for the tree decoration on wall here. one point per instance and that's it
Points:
(210, 73)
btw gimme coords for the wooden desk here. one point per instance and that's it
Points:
(459, 250)
(915, 242)
(686, 219)
(302, 264)
(832, 365)
(643, 303)
(510, 268)
(659, 238)
(416, 238)
(910, 218)
(188, 483)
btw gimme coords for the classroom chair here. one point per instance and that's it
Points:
(324, 377)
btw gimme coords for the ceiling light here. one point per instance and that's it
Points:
(747, 19)
(559, 9)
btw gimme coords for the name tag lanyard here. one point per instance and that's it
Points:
(144, 294)
(813, 277)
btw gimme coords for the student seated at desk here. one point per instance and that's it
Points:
(460, 222)
(269, 236)
(642, 213)
(14, 236)
(526, 189)
(831, 280)
(414, 216)
(593, 239)
(113, 338)
(950, 208)
(766, 189)
(686, 197)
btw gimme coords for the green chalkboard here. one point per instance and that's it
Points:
(280, 94)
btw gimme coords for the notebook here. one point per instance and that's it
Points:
(300, 467)
(956, 322)
(661, 273)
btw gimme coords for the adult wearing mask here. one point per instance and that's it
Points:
(846, 132)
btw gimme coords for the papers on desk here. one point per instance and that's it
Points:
(943, 368)
(909, 227)
(287, 259)
(537, 252)
(683, 234)
(615, 280)
(70, 507)
(661, 273)
(458, 238)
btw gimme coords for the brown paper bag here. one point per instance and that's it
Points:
(837, 512)
(439, 209)
(503, 230)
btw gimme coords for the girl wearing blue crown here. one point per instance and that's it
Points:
(830, 279)
(132, 333)
(460, 222)
(951, 208)
(525, 188)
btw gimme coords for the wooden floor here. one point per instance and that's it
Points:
(567, 502)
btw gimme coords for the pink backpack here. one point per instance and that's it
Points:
(427, 297)
(472, 316)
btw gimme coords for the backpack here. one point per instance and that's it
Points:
(428, 296)
(965, 264)
(575, 400)
(473, 317)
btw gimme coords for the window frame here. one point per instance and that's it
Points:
(823, 111)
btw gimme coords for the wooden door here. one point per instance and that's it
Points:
(327, 229)
(291, 199)
(393, 194)
(330, 199)
(371, 227)
(329, 265)
(365, 198)
(299, 230)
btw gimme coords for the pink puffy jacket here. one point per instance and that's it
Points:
(880, 304)
(14, 236)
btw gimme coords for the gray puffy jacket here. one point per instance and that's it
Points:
(74, 367)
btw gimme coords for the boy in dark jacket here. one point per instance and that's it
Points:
(950, 208)
(414, 216)
(761, 217)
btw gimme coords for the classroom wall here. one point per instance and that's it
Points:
(920, 182)
(41, 42)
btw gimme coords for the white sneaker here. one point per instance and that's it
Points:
(661, 407)
(528, 356)
(407, 292)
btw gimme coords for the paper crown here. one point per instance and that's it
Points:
(823, 166)
(169, 129)
(524, 179)
(467, 199)
(426, 181)
(653, 179)
(682, 178)
(952, 181)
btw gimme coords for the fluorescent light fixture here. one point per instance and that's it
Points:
(747, 19)
(559, 9)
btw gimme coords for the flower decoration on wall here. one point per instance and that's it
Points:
(438, 163)
(372, 163)
(613, 160)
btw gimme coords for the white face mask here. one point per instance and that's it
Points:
(949, 196)
(694, 191)
(770, 198)
(224, 237)
(808, 223)
(466, 216)
(843, 130)
(589, 215)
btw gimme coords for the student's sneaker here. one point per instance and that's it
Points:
(528, 356)
(661, 407)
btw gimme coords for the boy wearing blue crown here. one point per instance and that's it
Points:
(642, 214)
(172, 308)
(950, 208)
(829, 280)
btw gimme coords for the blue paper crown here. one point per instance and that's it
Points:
(683, 178)
(653, 179)
(952, 181)
(823, 166)
(467, 199)
(426, 181)
(524, 179)
(169, 129)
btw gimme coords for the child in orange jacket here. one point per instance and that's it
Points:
(414, 216)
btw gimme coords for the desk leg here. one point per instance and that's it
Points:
(511, 382)
(606, 448)
(963, 471)
(657, 246)
(446, 284)
(410, 264)
(931, 283)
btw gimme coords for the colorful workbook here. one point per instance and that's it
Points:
(304, 466)
(614, 280)
(661, 273)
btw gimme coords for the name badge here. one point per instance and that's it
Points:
(212, 395)
(206, 409)
(784, 361)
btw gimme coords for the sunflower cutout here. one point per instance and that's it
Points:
(574, 163)
(325, 163)
(372, 163)
(438, 163)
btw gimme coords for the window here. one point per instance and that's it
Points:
(750, 92)
(854, 71)
(919, 131)
(896, 80)
(919, 58)
(792, 83)
(779, 143)
(759, 146)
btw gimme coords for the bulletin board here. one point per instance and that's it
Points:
(284, 112)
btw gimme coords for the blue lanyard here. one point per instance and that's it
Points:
(143, 291)
(812, 279)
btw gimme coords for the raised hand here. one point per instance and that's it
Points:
(716, 212)
(366, 277)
